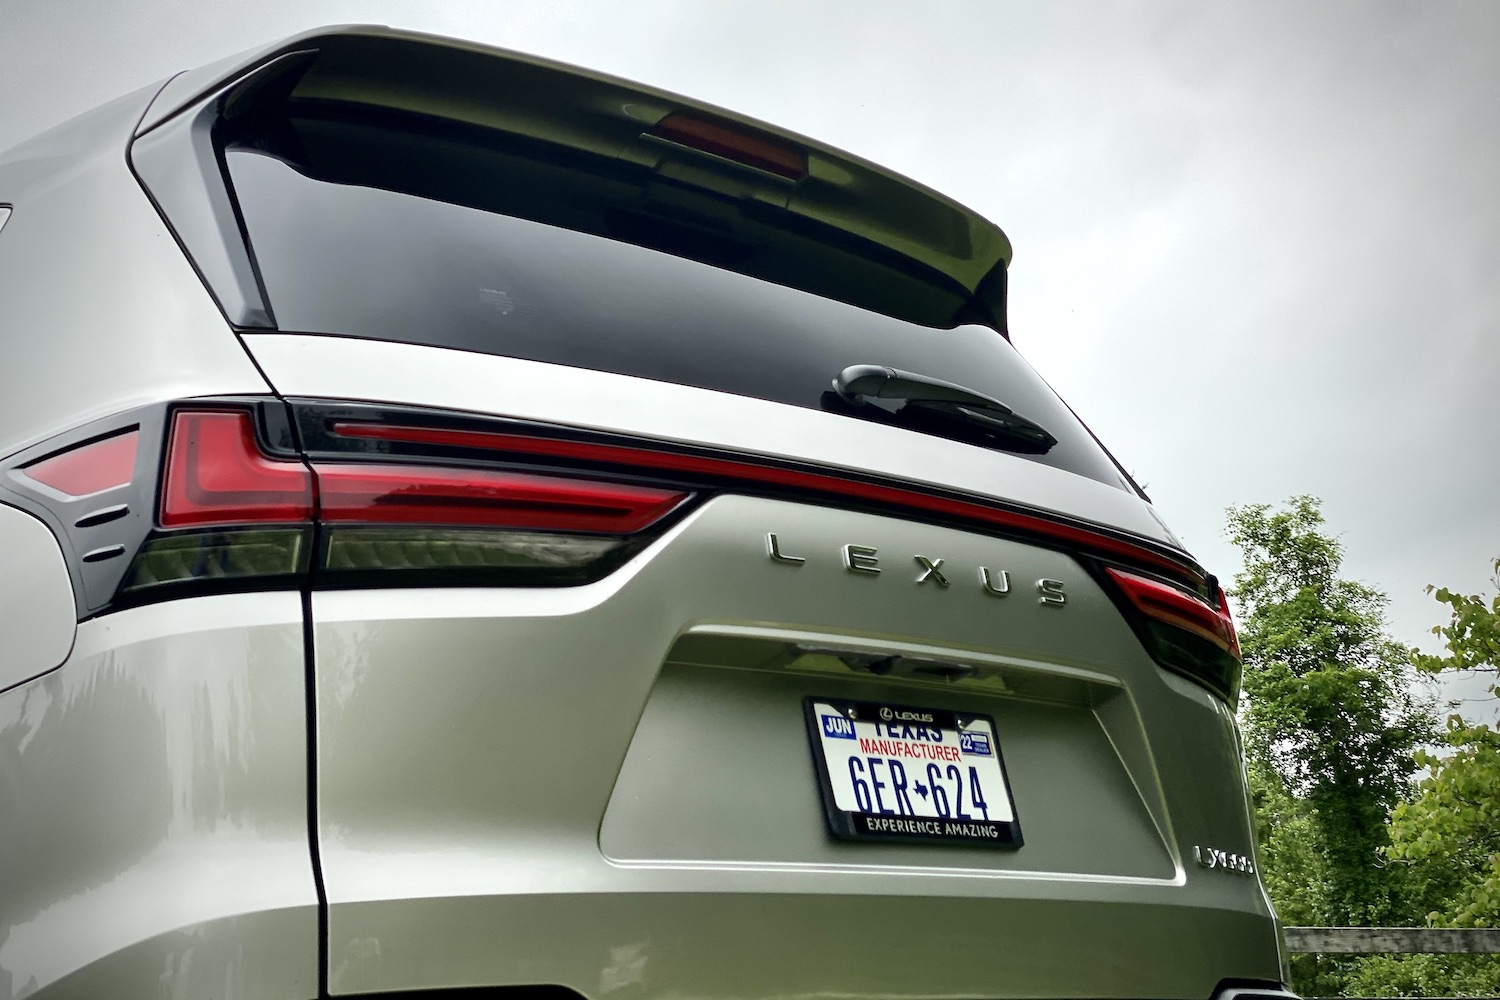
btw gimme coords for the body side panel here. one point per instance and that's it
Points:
(153, 808)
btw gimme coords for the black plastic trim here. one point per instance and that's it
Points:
(180, 167)
(88, 529)
(102, 516)
(314, 833)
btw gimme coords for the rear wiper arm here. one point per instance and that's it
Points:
(858, 382)
(932, 401)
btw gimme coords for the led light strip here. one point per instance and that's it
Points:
(823, 483)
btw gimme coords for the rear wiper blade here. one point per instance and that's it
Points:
(936, 406)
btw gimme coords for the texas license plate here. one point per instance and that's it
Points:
(894, 772)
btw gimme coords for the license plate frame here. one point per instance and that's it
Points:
(871, 725)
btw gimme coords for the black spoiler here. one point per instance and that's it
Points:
(835, 224)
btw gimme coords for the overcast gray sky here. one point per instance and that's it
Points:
(1257, 244)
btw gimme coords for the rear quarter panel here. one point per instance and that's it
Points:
(153, 810)
(100, 310)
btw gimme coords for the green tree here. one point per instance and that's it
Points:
(1292, 864)
(1455, 817)
(1450, 830)
(1422, 976)
(1331, 725)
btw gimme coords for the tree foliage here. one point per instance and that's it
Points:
(1333, 737)
(1454, 819)
(1293, 867)
(1472, 636)
(1449, 831)
(1421, 976)
(1331, 724)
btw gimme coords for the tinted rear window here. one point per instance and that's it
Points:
(355, 260)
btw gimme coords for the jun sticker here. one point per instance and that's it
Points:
(837, 727)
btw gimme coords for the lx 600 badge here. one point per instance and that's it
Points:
(1212, 857)
(865, 559)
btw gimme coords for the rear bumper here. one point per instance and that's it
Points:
(661, 933)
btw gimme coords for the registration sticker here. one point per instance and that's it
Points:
(897, 772)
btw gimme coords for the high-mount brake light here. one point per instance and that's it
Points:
(733, 142)
(431, 495)
(749, 470)
(102, 464)
(1185, 632)
(216, 475)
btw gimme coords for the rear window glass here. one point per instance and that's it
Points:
(369, 262)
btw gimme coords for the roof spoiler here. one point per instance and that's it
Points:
(952, 262)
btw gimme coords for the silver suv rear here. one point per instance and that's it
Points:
(474, 522)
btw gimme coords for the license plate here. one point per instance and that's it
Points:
(894, 772)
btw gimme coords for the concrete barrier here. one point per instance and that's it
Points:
(1392, 940)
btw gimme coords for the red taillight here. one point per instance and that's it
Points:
(232, 514)
(216, 475)
(431, 495)
(734, 142)
(1168, 605)
(751, 471)
(89, 468)
(1228, 618)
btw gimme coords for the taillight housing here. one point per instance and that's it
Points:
(1184, 631)
(229, 513)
